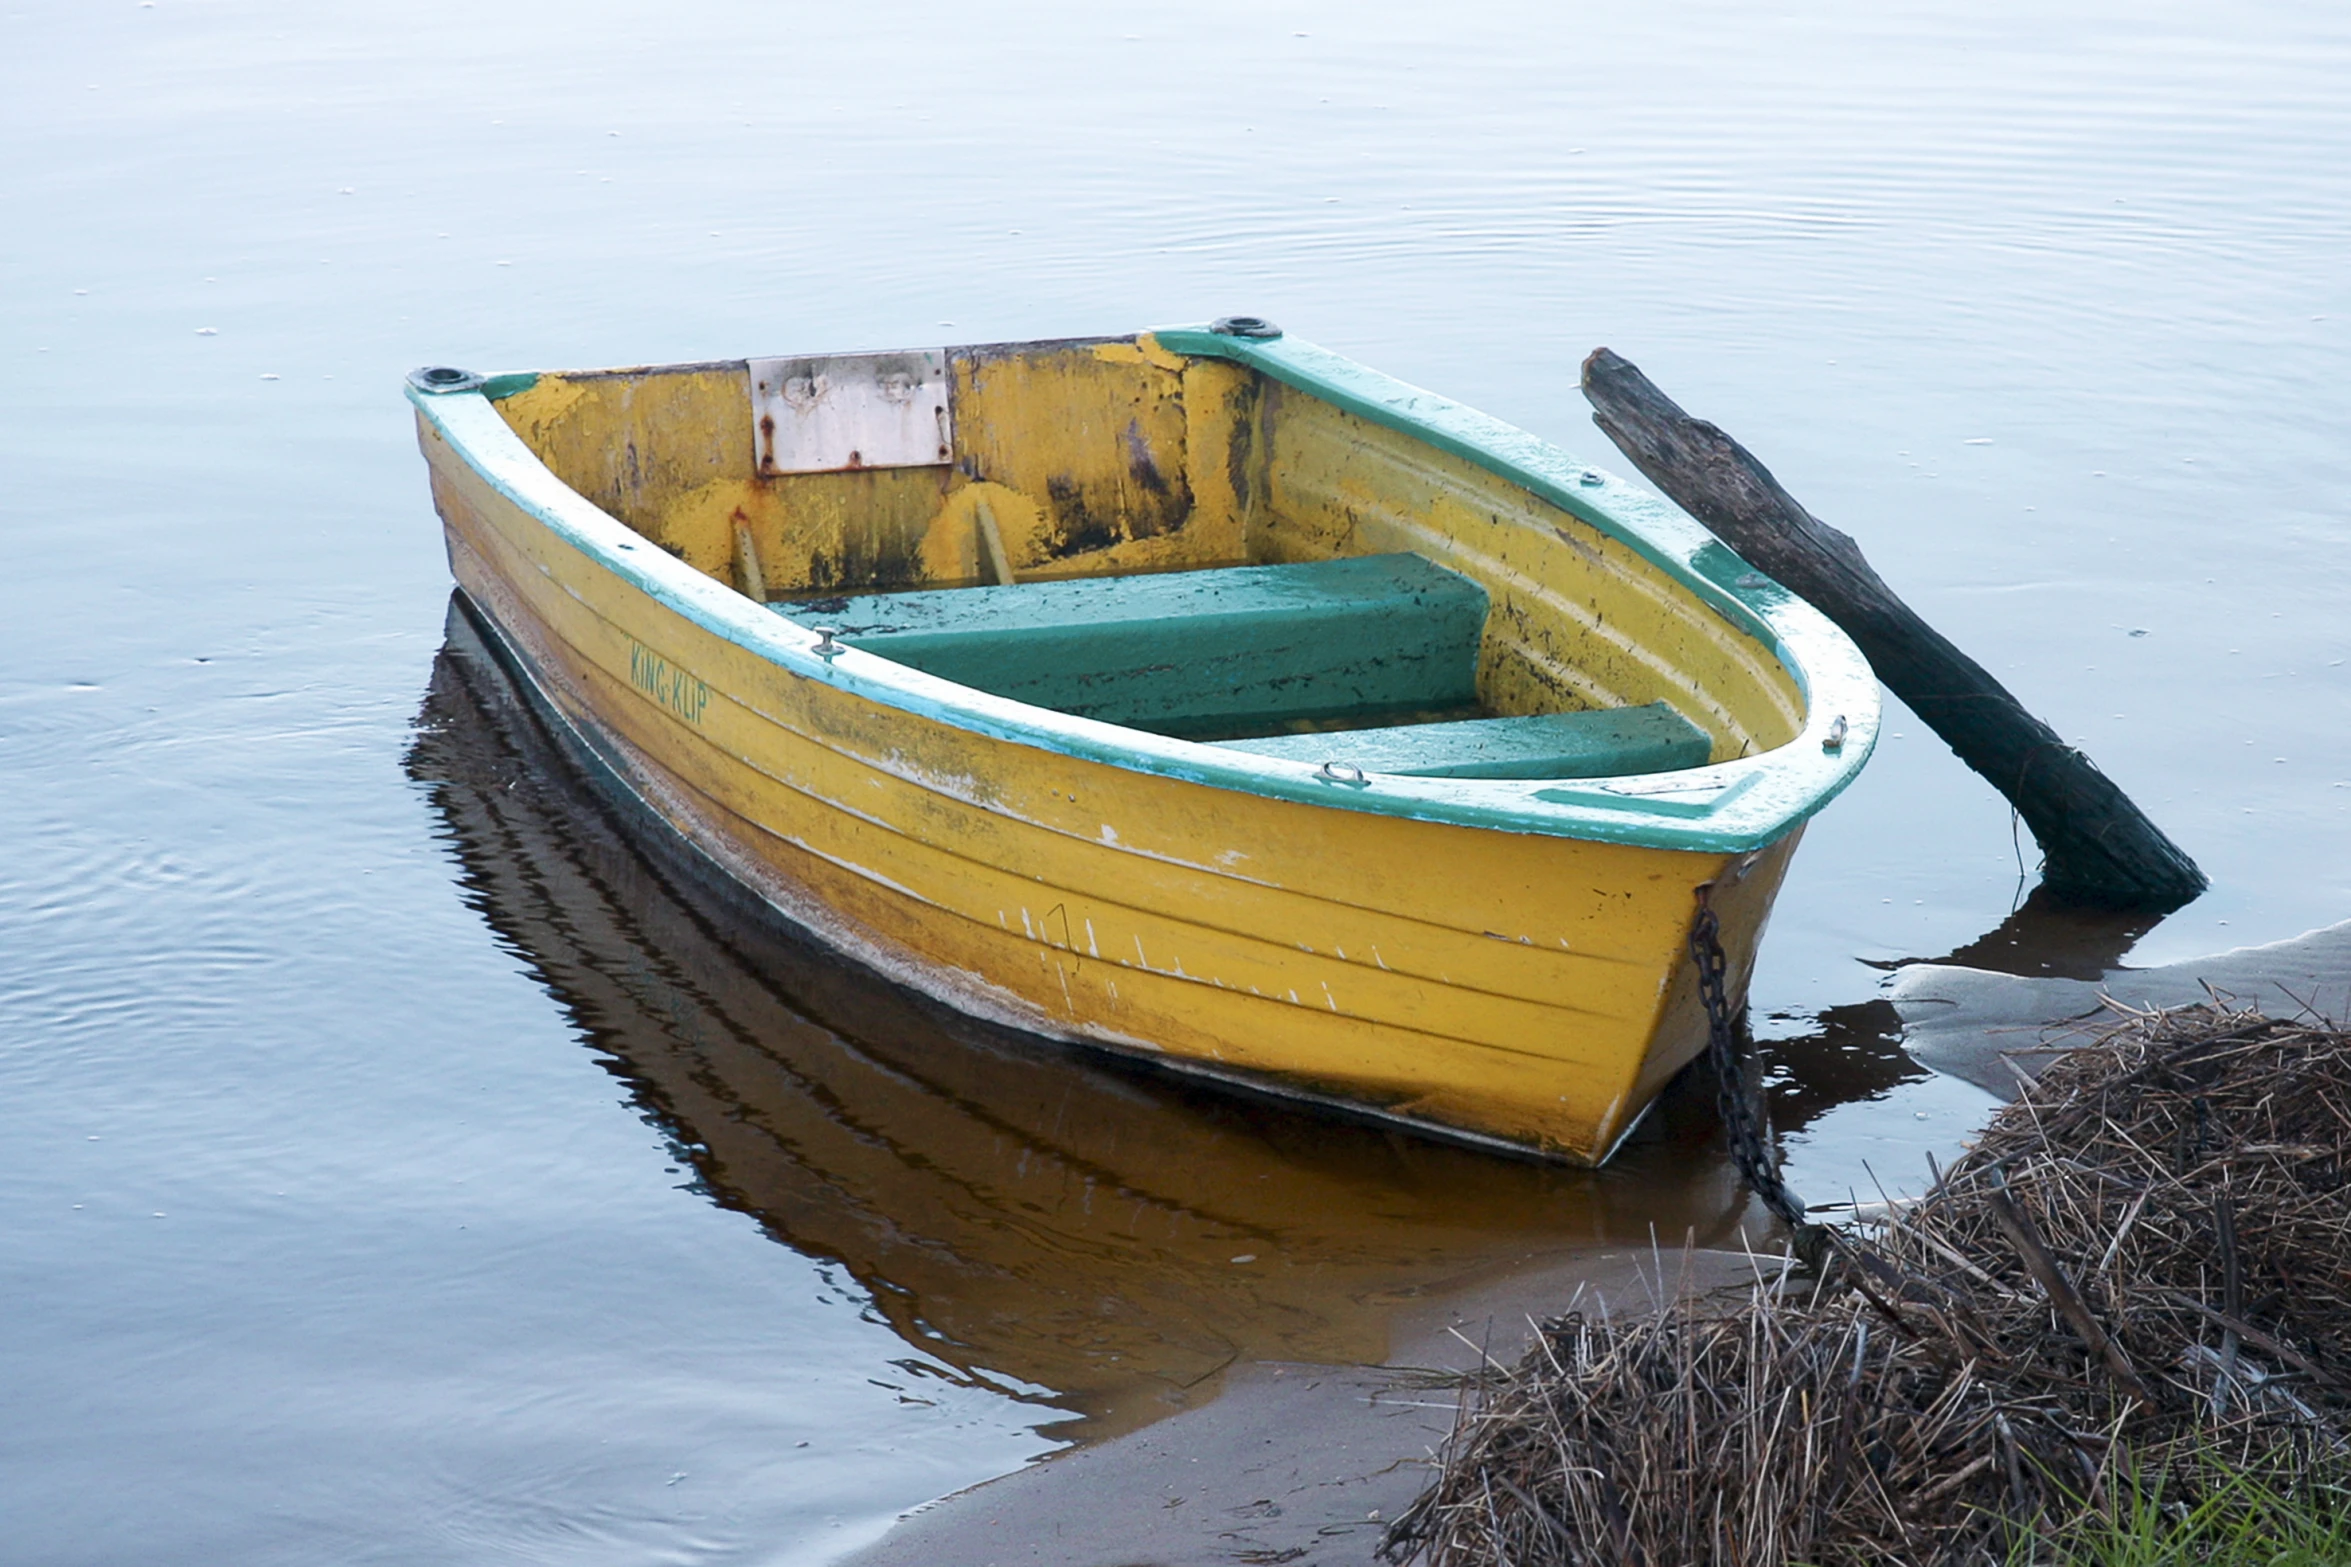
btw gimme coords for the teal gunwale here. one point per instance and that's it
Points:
(1730, 807)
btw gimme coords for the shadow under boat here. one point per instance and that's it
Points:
(1074, 1229)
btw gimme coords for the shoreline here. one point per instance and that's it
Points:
(2117, 1325)
(1288, 1462)
(1295, 1462)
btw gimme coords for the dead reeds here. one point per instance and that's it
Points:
(2142, 1270)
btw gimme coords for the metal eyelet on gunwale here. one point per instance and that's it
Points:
(443, 379)
(1244, 326)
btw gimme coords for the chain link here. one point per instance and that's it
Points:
(1742, 1112)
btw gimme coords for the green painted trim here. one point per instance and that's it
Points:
(1725, 808)
(498, 388)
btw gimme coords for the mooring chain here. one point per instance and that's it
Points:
(1742, 1112)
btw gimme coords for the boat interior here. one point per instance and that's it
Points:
(1174, 544)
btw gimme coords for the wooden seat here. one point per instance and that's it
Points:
(1651, 739)
(1193, 653)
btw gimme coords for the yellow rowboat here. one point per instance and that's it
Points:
(1198, 695)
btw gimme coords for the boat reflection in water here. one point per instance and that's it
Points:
(1083, 1232)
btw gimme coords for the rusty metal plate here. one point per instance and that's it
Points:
(839, 411)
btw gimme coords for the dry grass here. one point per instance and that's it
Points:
(2139, 1279)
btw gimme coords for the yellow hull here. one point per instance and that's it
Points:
(1523, 988)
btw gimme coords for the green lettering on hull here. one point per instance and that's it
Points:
(683, 694)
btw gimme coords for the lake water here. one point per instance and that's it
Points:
(394, 1168)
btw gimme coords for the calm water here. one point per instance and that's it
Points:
(394, 1167)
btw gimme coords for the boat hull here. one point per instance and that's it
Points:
(1522, 990)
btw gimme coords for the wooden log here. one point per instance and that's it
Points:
(2097, 847)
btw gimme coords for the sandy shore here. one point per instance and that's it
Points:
(1993, 1029)
(1288, 1463)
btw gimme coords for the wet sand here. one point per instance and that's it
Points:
(1993, 1029)
(1293, 1462)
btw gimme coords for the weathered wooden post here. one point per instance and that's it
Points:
(2097, 846)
